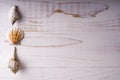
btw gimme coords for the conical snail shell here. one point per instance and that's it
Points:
(15, 34)
(13, 14)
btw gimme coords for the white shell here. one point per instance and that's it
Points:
(13, 63)
(13, 14)
(15, 34)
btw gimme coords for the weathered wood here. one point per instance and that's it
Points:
(58, 46)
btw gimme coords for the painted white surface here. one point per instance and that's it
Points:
(62, 47)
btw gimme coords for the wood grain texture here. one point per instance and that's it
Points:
(62, 47)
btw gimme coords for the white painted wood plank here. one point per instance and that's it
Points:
(49, 53)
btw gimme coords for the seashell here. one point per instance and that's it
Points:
(13, 14)
(15, 34)
(13, 63)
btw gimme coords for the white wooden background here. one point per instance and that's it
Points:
(62, 47)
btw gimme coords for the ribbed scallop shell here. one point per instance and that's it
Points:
(15, 34)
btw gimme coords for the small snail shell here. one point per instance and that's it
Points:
(15, 34)
(13, 14)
